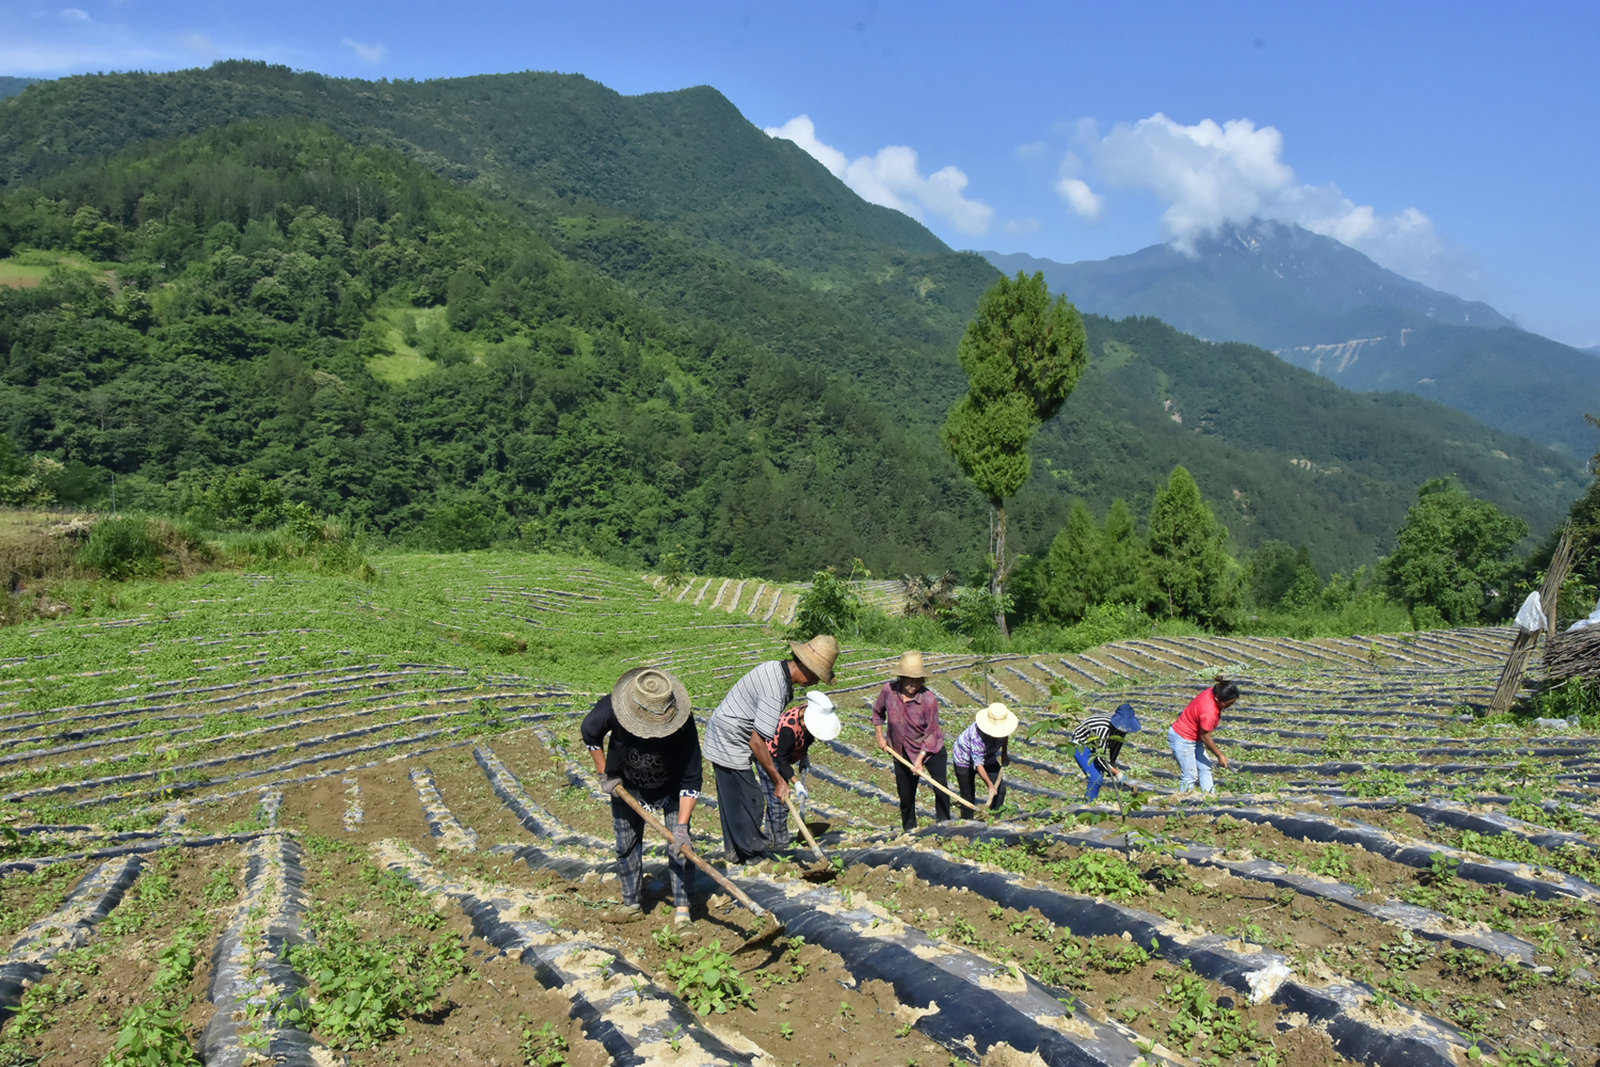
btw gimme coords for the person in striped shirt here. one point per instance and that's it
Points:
(981, 750)
(738, 735)
(1098, 740)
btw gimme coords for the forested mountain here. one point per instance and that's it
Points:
(1328, 308)
(12, 86)
(524, 307)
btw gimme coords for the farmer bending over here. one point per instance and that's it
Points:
(981, 750)
(1099, 742)
(654, 755)
(815, 720)
(739, 733)
(1190, 735)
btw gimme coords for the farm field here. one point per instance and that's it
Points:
(285, 818)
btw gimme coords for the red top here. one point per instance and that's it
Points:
(1201, 716)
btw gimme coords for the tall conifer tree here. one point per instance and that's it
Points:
(1023, 354)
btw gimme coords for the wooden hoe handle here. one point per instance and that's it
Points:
(734, 891)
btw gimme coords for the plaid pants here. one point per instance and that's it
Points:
(630, 850)
(777, 820)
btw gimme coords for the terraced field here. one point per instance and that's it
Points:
(300, 820)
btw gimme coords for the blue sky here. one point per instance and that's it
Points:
(1456, 143)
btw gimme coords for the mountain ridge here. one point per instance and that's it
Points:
(854, 309)
(1328, 308)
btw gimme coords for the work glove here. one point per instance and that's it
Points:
(609, 785)
(801, 794)
(680, 838)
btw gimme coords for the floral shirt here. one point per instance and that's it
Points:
(913, 723)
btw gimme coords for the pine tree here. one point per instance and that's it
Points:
(1023, 355)
(1189, 561)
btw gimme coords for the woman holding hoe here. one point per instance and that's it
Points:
(655, 755)
(981, 750)
(909, 711)
(1190, 735)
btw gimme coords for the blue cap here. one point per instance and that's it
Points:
(1125, 720)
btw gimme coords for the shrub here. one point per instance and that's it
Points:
(123, 547)
(830, 606)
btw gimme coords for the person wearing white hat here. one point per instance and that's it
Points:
(738, 736)
(981, 750)
(909, 712)
(798, 727)
(654, 754)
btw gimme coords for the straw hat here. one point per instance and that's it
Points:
(817, 655)
(996, 720)
(1124, 719)
(910, 666)
(821, 720)
(650, 702)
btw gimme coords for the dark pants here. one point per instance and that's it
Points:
(777, 819)
(743, 811)
(967, 784)
(629, 827)
(905, 783)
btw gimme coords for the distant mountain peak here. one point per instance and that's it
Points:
(1326, 307)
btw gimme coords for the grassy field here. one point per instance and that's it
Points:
(238, 804)
(27, 269)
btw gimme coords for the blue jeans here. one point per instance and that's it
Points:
(1085, 760)
(1193, 762)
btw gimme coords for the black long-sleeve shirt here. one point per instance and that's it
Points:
(652, 768)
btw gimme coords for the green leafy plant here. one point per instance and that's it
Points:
(708, 980)
(1104, 874)
(150, 1037)
(1203, 1028)
(362, 991)
(541, 1046)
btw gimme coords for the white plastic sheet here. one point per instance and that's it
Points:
(1530, 617)
(1592, 620)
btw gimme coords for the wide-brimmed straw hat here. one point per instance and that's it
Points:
(910, 666)
(821, 720)
(650, 702)
(817, 655)
(997, 720)
(1124, 719)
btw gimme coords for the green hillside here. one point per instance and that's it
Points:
(526, 309)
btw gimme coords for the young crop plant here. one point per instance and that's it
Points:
(708, 980)
(541, 1046)
(151, 1037)
(1206, 1031)
(1375, 782)
(1104, 874)
(361, 992)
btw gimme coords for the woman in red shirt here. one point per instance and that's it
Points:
(1190, 735)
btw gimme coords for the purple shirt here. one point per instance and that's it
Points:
(913, 724)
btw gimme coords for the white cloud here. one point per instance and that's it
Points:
(372, 53)
(1212, 174)
(893, 179)
(1081, 199)
(803, 132)
(73, 14)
